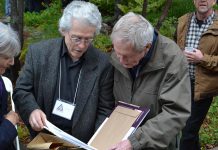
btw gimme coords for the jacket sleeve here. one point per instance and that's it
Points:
(210, 62)
(174, 100)
(23, 96)
(106, 99)
(8, 133)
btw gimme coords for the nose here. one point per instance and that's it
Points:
(82, 44)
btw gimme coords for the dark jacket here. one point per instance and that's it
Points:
(206, 73)
(8, 131)
(35, 87)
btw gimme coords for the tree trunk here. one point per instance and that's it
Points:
(117, 11)
(144, 9)
(164, 13)
(17, 9)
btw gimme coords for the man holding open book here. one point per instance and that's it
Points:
(150, 70)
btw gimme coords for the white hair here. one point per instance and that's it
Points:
(83, 11)
(134, 28)
(9, 41)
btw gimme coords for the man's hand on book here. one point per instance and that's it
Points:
(123, 145)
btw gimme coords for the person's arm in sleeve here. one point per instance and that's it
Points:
(106, 99)
(175, 103)
(24, 93)
(209, 62)
(8, 131)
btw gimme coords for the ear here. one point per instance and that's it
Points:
(148, 46)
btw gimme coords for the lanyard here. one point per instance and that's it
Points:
(77, 85)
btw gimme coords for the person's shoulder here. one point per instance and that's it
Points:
(168, 44)
(185, 16)
(99, 56)
(48, 42)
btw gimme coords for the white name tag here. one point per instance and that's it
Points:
(63, 109)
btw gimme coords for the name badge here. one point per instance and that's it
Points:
(63, 109)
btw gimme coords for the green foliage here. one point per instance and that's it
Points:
(168, 27)
(2, 4)
(23, 132)
(180, 7)
(103, 42)
(137, 5)
(47, 16)
(39, 26)
(209, 130)
(106, 7)
(134, 6)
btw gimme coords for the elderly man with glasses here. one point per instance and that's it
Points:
(66, 80)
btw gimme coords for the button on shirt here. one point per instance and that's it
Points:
(69, 78)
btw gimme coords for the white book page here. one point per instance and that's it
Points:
(63, 135)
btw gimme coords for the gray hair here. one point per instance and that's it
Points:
(134, 28)
(83, 11)
(9, 41)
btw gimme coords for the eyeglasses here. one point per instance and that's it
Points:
(77, 40)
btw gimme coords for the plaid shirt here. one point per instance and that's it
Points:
(195, 31)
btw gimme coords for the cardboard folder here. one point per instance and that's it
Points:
(124, 120)
(45, 141)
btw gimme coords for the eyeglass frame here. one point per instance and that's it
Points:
(77, 40)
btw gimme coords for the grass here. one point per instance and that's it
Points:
(209, 129)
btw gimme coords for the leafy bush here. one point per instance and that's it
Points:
(168, 27)
(137, 5)
(103, 42)
(39, 26)
(106, 7)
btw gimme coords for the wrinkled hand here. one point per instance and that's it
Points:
(12, 117)
(194, 57)
(37, 120)
(123, 145)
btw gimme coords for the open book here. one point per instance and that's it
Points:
(123, 121)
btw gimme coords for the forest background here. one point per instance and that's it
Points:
(44, 25)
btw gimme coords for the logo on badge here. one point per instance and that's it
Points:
(60, 108)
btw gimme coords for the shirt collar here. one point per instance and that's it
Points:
(209, 19)
(64, 52)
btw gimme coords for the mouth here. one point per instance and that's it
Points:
(78, 51)
(202, 4)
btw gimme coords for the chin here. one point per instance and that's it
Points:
(2, 71)
(128, 66)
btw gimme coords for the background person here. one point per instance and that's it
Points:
(199, 30)
(67, 71)
(150, 70)
(9, 48)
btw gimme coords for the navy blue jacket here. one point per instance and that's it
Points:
(8, 131)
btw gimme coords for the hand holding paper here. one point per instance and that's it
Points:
(37, 120)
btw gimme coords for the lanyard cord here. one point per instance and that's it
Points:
(77, 85)
(59, 88)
